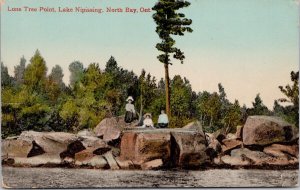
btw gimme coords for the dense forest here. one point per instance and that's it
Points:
(33, 100)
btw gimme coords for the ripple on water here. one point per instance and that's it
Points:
(80, 178)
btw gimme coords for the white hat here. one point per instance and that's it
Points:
(129, 98)
(148, 114)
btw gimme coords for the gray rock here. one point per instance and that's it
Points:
(50, 142)
(40, 160)
(109, 129)
(15, 148)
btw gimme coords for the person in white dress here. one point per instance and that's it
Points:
(148, 123)
(130, 114)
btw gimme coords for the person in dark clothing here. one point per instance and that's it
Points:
(130, 114)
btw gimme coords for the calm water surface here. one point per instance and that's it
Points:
(83, 178)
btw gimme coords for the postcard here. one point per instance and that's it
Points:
(149, 93)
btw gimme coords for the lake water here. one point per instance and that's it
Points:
(83, 178)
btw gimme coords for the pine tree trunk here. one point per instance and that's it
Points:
(167, 86)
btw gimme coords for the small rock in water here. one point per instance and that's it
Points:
(153, 164)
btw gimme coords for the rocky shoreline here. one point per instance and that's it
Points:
(264, 142)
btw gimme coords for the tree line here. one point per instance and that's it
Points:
(33, 100)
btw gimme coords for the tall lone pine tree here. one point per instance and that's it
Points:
(169, 22)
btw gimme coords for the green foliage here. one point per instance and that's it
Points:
(56, 76)
(76, 71)
(35, 73)
(169, 23)
(258, 107)
(232, 117)
(147, 91)
(289, 112)
(35, 101)
(291, 92)
(82, 109)
(181, 94)
(216, 111)
(19, 72)
(6, 80)
(119, 83)
(23, 110)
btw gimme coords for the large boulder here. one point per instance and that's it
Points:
(188, 148)
(175, 147)
(15, 148)
(49, 142)
(142, 146)
(264, 130)
(109, 129)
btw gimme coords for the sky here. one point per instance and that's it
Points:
(249, 46)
